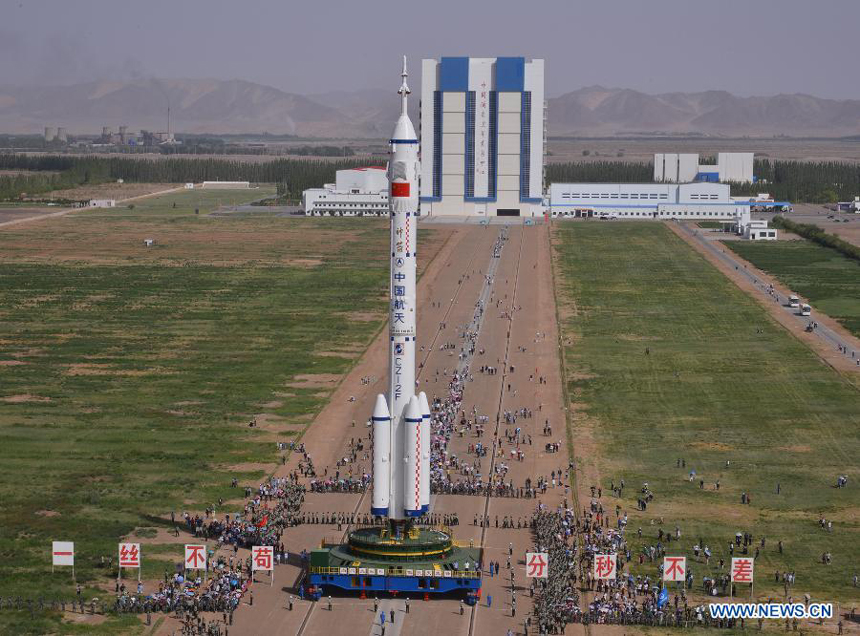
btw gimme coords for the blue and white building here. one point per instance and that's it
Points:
(483, 136)
(639, 201)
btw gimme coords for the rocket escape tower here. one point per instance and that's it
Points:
(400, 556)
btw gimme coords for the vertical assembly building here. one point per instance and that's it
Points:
(482, 136)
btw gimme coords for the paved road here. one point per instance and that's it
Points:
(827, 335)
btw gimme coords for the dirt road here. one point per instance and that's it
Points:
(65, 211)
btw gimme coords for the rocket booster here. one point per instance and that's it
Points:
(402, 446)
(425, 451)
(381, 419)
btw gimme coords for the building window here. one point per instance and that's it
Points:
(494, 143)
(525, 144)
(470, 145)
(437, 144)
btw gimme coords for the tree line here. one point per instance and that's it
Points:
(796, 181)
(803, 181)
(600, 172)
(817, 235)
(296, 174)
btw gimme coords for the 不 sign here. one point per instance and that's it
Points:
(195, 557)
(262, 557)
(604, 566)
(674, 568)
(742, 569)
(537, 565)
(129, 555)
(63, 553)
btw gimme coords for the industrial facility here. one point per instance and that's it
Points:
(56, 134)
(355, 192)
(685, 168)
(686, 201)
(123, 137)
(482, 136)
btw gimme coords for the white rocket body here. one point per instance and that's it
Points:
(403, 171)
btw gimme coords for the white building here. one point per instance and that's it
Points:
(483, 133)
(356, 192)
(685, 168)
(226, 185)
(686, 201)
(102, 203)
(753, 229)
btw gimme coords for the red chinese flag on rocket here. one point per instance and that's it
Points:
(400, 189)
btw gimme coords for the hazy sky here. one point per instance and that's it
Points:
(749, 47)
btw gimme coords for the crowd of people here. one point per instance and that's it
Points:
(274, 507)
(556, 599)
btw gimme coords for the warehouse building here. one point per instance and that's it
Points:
(686, 201)
(482, 136)
(685, 168)
(355, 192)
(226, 185)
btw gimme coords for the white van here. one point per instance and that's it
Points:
(793, 301)
(805, 310)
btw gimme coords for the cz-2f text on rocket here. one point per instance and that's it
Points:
(401, 425)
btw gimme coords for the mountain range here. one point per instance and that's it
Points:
(236, 106)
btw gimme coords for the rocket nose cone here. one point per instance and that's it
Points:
(413, 410)
(380, 410)
(424, 404)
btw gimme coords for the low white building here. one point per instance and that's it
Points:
(355, 192)
(753, 229)
(102, 203)
(686, 201)
(226, 185)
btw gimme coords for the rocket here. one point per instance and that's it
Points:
(401, 424)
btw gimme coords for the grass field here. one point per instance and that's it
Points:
(128, 375)
(828, 279)
(725, 389)
(183, 202)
